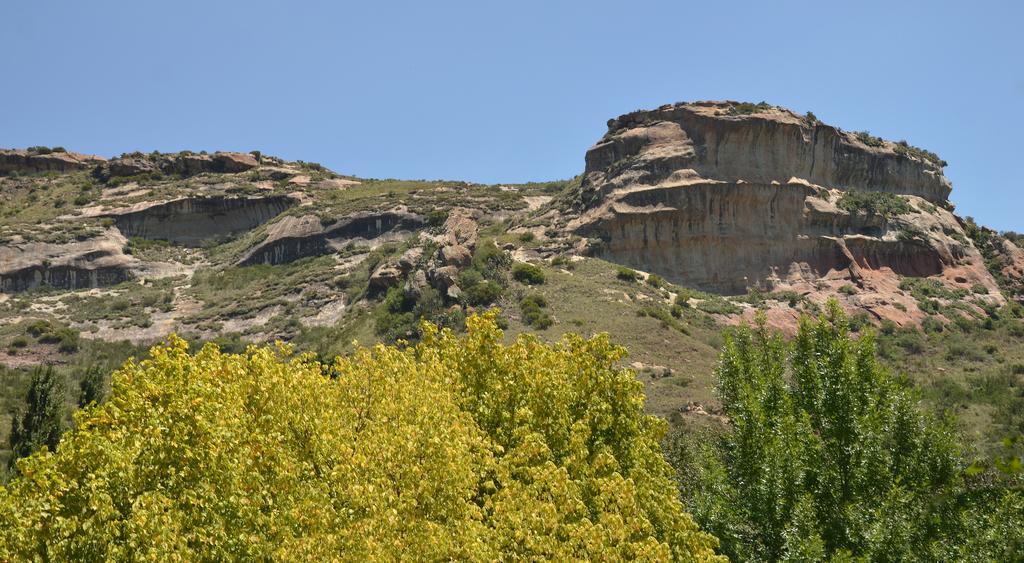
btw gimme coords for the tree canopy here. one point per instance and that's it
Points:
(826, 456)
(458, 447)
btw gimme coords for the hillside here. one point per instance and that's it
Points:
(686, 220)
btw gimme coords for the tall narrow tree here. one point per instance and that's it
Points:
(43, 421)
(92, 388)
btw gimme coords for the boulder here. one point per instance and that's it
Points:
(410, 258)
(453, 293)
(416, 285)
(233, 162)
(386, 276)
(456, 255)
(461, 228)
(130, 166)
(443, 277)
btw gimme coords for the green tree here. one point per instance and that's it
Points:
(42, 423)
(92, 387)
(825, 454)
(455, 448)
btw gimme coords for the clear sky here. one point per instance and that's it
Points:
(512, 91)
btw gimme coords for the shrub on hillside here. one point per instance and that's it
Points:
(453, 449)
(873, 203)
(527, 273)
(531, 307)
(627, 274)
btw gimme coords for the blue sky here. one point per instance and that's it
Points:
(507, 92)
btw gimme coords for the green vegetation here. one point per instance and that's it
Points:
(399, 315)
(826, 456)
(66, 338)
(124, 305)
(873, 203)
(527, 273)
(654, 280)
(913, 234)
(869, 139)
(42, 424)
(627, 274)
(811, 118)
(453, 449)
(531, 306)
(905, 148)
(747, 108)
(93, 387)
(760, 298)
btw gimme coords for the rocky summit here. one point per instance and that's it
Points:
(685, 219)
(727, 197)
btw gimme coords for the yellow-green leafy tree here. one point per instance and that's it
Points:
(458, 447)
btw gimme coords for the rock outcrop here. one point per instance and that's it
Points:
(91, 263)
(726, 200)
(292, 238)
(190, 221)
(34, 161)
(179, 164)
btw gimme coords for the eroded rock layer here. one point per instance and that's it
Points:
(726, 200)
(92, 263)
(293, 238)
(190, 221)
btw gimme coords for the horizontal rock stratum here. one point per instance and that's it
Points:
(735, 199)
(728, 197)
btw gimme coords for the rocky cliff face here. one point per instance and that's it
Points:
(190, 221)
(293, 238)
(727, 197)
(45, 160)
(87, 264)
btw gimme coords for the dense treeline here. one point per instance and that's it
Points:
(465, 447)
(458, 447)
(827, 456)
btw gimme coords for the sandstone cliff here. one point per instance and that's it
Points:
(728, 197)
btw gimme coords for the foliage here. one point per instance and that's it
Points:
(399, 315)
(654, 280)
(627, 274)
(868, 139)
(531, 307)
(43, 422)
(747, 108)
(906, 149)
(457, 448)
(718, 305)
(912, 234)
(527, 273)
(92, 387)
(873, 203)
(826, 454)
(491, 261)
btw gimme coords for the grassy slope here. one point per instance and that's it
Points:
(973, 371)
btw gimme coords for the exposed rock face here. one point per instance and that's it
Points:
(292, 238)
(190, 221)
(726, 202)
(683, 142)
(24, 161)
(181, 164)
(92, 263)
